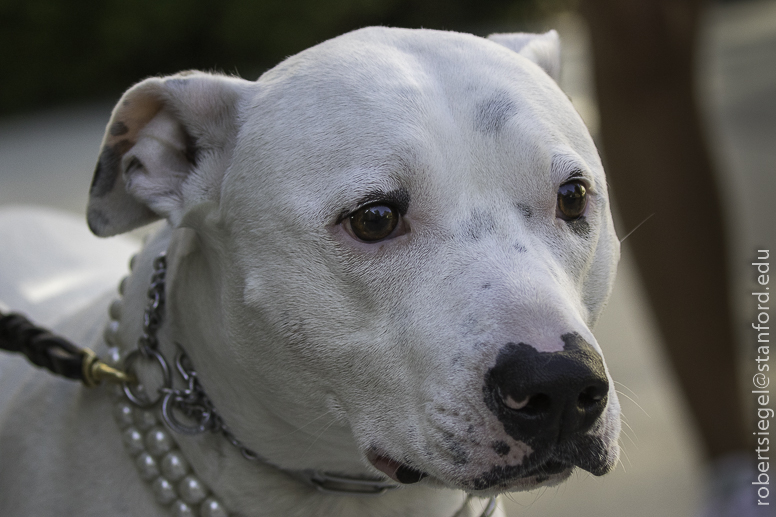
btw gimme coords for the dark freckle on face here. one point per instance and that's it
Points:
(493, 114)
(580, 226)
(480, 224)
(501, 448)
(486, 286)
(520, 248)
(526, 210)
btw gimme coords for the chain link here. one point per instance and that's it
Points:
(185, 410)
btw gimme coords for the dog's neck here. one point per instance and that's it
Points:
(259, 487)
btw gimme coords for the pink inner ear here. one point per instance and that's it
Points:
(132, 113)
(111, 209)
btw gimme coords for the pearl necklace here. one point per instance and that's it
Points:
(159, 462)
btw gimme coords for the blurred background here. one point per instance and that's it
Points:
(65, 63)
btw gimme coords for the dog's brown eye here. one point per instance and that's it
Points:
(374, 222)
(572, 200)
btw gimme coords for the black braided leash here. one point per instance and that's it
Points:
(55, 353)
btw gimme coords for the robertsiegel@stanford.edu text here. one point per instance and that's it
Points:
(761, 379)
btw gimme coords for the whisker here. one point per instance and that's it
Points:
(637, 404)
(310, 422)
(622, 449)
(637, 227)
(627, 388)
(318, 436)
(623, 433)
(629, 426)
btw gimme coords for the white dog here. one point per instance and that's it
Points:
(383, 261)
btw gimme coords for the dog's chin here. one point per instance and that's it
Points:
(495, 482)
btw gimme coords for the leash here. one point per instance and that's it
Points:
(55, 353)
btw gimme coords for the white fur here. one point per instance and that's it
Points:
(313, 346)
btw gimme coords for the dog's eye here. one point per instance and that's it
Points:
(374, 222)
(572, 200)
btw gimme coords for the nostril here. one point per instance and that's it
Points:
(529, 406)
(592, 397)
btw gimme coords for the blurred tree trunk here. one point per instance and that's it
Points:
(657, 162)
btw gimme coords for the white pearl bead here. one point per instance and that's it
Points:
(192, 490)
(181, 509)
(174, 466)
(211, 507)
(147, 466)
(113, 356)
(114, 310)
(122, 412)
(133, 440)
(111, 333)
(144, 419)
(158, 441)
(123, 285)
(163, 490)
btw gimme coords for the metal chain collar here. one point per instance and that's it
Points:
(192, 402)
(198, 410)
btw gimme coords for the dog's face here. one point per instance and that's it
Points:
(402, 239)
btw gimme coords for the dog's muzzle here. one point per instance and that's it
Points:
(552, 401)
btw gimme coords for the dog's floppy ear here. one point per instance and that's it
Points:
(542, 49)
(165, 148)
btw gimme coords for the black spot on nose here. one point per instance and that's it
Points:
(501, 448)
(547, 397)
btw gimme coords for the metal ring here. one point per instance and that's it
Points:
(187, 374)
(139, 400)
(169, 418)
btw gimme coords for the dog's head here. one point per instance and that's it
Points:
(401, 240)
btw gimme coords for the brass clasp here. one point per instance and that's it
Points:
(95, 371)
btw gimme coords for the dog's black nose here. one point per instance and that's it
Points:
(547, 397)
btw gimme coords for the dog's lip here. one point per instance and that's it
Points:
(548, 468)
(396, 470)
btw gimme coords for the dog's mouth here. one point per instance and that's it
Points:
(407, 475)
(396, 470)
(499, 478)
